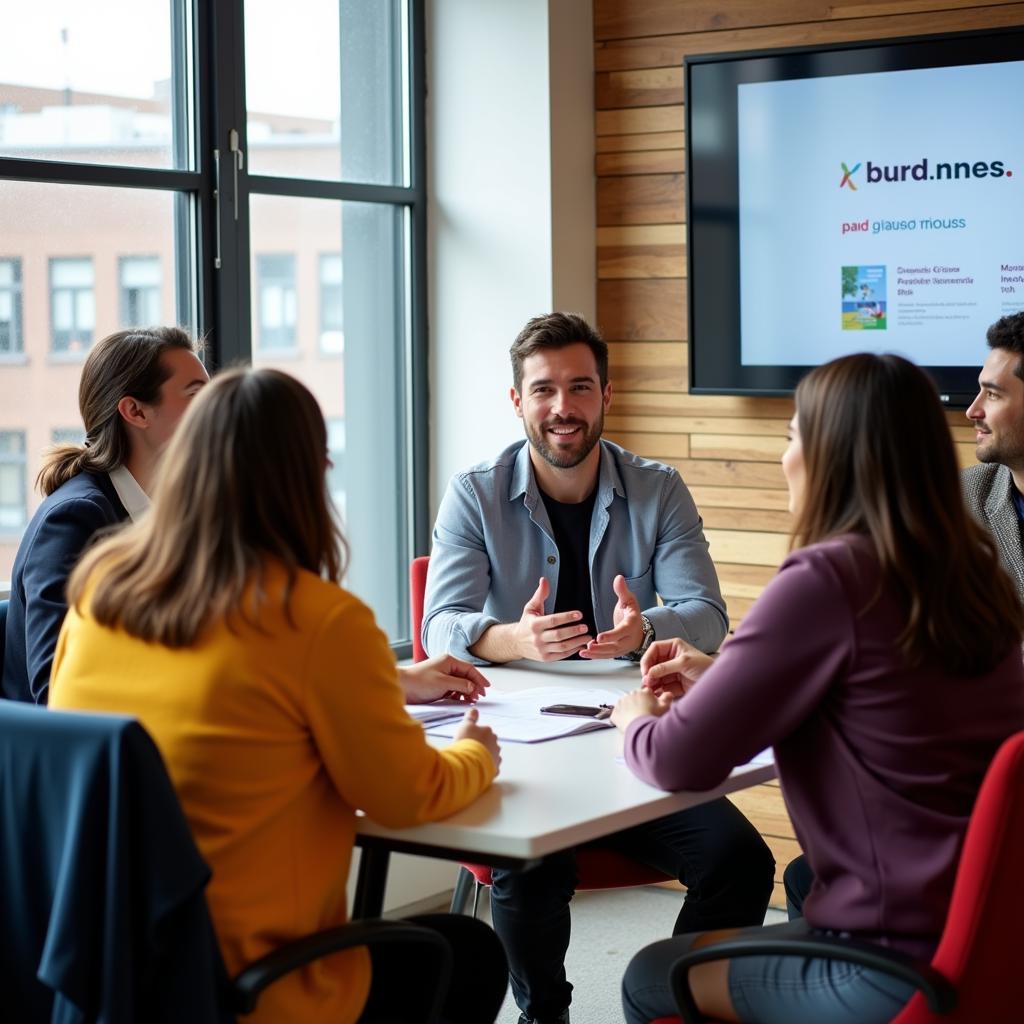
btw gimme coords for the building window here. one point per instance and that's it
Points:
(72, 304)
(140, 291)
(13, 489)
(275, 275)
(110, 186)
(11, 341)
(67, 435)
(332, 320)
(336, 470)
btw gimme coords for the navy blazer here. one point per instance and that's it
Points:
(60, 531)
(102, 886)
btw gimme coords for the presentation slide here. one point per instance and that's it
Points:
(882, 213)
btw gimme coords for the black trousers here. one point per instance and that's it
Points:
(798, 879)
(478, 984)
(711, 848)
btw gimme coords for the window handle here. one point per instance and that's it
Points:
(238, 161)
(216, 209)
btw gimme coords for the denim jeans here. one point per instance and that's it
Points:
(711, 848)
(770, 989)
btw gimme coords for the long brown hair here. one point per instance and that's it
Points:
(242, 482)
(127, 363)
(879, 461)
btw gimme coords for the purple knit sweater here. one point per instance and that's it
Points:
(879, 764)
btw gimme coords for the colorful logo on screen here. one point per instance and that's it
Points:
(848, 173)
(960, 170)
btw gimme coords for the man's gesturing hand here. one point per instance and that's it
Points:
(627, 630)
(541, 637)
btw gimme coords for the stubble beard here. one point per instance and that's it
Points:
(573, 456)
(1008, 451)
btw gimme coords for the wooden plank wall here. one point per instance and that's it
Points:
(726, 448)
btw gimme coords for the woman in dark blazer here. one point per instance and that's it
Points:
(135, 386)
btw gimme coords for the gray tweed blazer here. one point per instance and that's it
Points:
(988, 494)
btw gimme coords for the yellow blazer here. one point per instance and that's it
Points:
(273, 738)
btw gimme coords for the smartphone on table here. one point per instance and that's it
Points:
(578, 710)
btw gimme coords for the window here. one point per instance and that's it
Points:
(269, 196)
(336, 470)
(67, 435)
(276, 281)
(140, 291)
(332, 321)
(10, 307)
(72, 305)
(13, 491)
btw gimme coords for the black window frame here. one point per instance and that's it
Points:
(214, 189)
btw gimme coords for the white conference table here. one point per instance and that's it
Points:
(548, 797)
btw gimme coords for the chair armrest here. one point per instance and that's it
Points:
(248, 985)
(937, 990)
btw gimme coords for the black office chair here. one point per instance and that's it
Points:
(103, 887)
(3, 633)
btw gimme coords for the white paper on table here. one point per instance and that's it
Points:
(516, 718)
(429, 715)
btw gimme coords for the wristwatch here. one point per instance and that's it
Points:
(645, 642)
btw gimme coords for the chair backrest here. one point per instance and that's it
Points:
(417, 588)
(3, 634)
(102, 886)
(978, 951)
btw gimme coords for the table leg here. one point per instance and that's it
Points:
(373, 876)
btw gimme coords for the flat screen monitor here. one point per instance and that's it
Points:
(865, 197)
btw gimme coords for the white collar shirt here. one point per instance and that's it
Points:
(133, 497)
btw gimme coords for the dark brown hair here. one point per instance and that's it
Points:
(124, 364)
(879, 461)
(1008, 333)
(557, 330)
(242, 482)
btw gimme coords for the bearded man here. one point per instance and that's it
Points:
(560, 548)
(994, 491)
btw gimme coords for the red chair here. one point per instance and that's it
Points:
(598, 868)
(973, 976)
(417, 588)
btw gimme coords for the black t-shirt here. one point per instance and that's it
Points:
(1018, 504)
(571, 527)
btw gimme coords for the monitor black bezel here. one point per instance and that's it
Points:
(713, 309)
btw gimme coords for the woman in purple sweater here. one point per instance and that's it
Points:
(882, 663)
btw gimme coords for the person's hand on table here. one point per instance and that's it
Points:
(627, 632)
(470, 730)
(638, 704)
(673, 666)
(443, 676)
(541, 637)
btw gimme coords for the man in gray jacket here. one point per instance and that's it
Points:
(562, 547)
(994, 491)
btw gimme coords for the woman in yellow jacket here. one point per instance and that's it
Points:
(218, 621)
